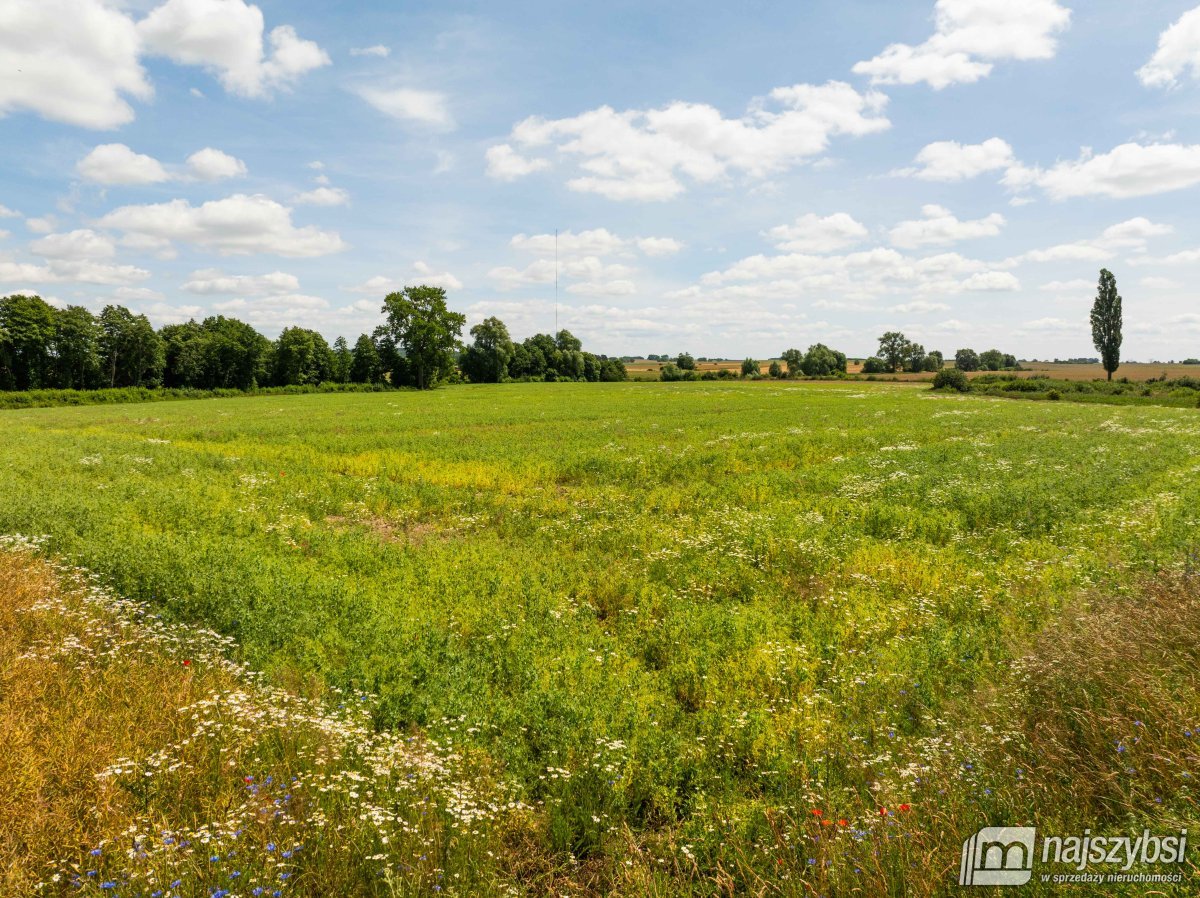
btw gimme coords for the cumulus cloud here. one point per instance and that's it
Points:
(594, 242)
(422, 274)
(643, 154)
(659, 246)
(506, 164)
(939, 226)
(1128, 170)
(211, 281)
(810, 233)
(236, 225)
(210, 164)
(376, 50)
(948, 160)
(226, 38)
(1074, 285)
(75, 245)
(6, 212)
(66, 271)
(597, 276)
(1178, 52)
(1131, 234)
(425, 107)
(322, 196)
(115, 163)
(71, 61)
(969, 36)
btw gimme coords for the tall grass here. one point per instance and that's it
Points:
(140, 759)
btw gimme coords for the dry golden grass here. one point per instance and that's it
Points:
(137, 755)
(58, 732)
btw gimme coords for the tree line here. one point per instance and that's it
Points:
(418, 344)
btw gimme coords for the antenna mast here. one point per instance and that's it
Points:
(556, 283)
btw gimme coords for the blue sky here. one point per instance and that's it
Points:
(727, 179)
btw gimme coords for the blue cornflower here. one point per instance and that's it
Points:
(95, 852)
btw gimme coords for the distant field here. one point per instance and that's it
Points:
(677, 616)
(1135, 371)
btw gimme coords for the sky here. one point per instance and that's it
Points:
(725, 179)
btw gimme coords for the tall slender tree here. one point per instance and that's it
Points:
(1106, 322)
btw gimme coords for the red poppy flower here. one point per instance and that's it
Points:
(187, 662)
(816, 812)
(843, 822)
(905, 807)
(883, 812)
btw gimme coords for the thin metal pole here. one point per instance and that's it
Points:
(556, 283)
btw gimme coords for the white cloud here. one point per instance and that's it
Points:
(939, 226)
(115, 163)
(595, 242)
(1130, 234)
(426, 107)
(71, 61)
(1080, 251)
(422, 273)
(640, 154)
(322, 196)
(1178, 51)
(948, 160)
(1159, 283)
(920, 307)
(237, 225)
(969, 35)
(209, 281)
(1134, 232)
(618, 287)
(6, 212)
(991, 281)
(138, 294)
(75, 245)
(210, 164)
(226, 38)
(1072, 286)
(376, 50)
(1048, 324)
(660, 246)
(506, 164)
(43, 225)
(1186, 257)
(590, 269)
(812, 234)
(70, 272)
(1128, 170)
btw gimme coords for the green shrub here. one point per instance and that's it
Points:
(951, 379)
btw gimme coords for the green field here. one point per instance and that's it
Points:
(718, 606)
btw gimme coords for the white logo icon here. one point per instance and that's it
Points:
(998, 856)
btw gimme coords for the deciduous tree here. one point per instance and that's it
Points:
(1107, 322)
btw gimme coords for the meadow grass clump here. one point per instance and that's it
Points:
(140, 759)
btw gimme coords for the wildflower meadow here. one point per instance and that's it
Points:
(599, 639)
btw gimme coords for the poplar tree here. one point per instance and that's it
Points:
(1106, 322)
